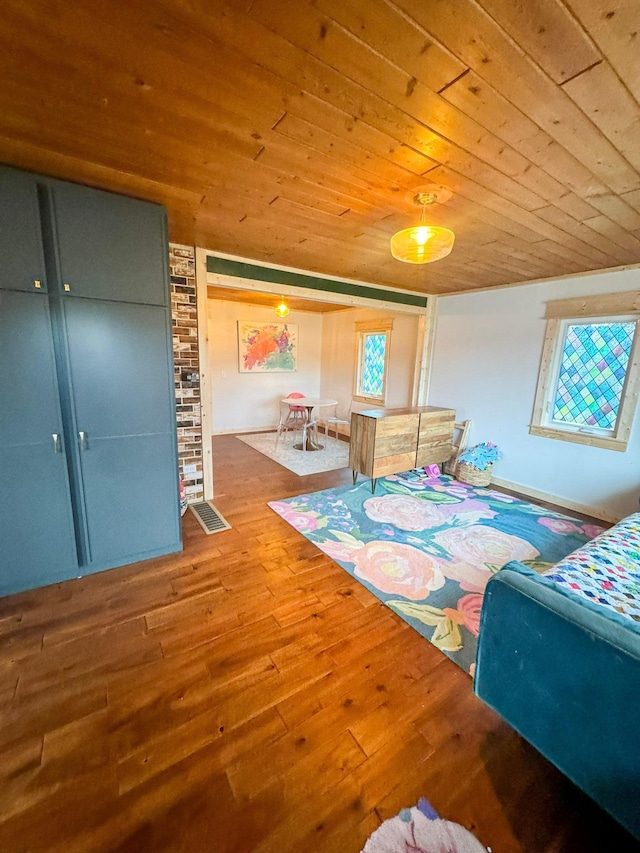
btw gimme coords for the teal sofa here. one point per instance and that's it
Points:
(564, 670)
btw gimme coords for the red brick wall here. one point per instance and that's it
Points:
(184, 319)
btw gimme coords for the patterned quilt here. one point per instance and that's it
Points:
(606, 570)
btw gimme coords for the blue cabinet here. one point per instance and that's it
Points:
(88, 451)
(109, 246)
(124, 427)
(22, 266)
(37, 540)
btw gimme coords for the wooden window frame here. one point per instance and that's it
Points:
(560, 313)
(364, 328)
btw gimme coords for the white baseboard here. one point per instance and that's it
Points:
(245, 429)
(595, 511)
(342, 429)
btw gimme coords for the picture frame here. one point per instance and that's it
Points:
(267, 347)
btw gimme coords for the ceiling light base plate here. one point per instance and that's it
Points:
(424, 198)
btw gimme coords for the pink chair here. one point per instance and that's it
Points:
(297, 413)
(292, 417)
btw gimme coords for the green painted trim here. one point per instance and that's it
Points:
(328, 285)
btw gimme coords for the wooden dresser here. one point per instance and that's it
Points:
(387, 441)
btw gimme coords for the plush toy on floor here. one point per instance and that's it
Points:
(420, 830)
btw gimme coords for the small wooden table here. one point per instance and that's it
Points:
(309, 403)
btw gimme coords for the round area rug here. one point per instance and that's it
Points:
(420, 830)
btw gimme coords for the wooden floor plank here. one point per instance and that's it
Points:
(249, 695)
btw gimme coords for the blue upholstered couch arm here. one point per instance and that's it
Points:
(566, 675)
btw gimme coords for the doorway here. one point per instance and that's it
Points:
(234, 401)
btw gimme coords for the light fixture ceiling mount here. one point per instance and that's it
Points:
(422, 244)
(426, 197)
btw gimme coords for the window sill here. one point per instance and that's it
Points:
(374, 401)
(607, 442)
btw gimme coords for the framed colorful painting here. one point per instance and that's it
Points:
(267, 347)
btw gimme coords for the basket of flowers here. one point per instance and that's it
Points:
(475, 465)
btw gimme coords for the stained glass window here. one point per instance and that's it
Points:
(592, 372)
(372, 365)
(589, 379)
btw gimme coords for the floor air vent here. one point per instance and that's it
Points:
(208, 517)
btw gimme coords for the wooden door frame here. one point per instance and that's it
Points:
(424, 348)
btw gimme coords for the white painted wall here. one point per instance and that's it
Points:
(485, 366)
(249, 401)
(339, 356)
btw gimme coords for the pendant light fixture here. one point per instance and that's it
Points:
(282, 309)
(422, 244)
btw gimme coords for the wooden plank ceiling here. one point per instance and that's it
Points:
(297, 132)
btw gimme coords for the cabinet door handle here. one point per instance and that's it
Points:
(57, 446)
(83, 440)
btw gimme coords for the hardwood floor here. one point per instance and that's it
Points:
(249, 695)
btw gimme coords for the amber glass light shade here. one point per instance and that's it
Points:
(282, 309)
(422, 244)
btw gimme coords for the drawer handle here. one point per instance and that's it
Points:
(83, 440)
(57, 446)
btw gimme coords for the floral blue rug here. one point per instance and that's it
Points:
(426, 546)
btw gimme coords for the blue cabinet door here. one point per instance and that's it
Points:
(37, 540)
(22, 265)
(121, 379)
(110, 246)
